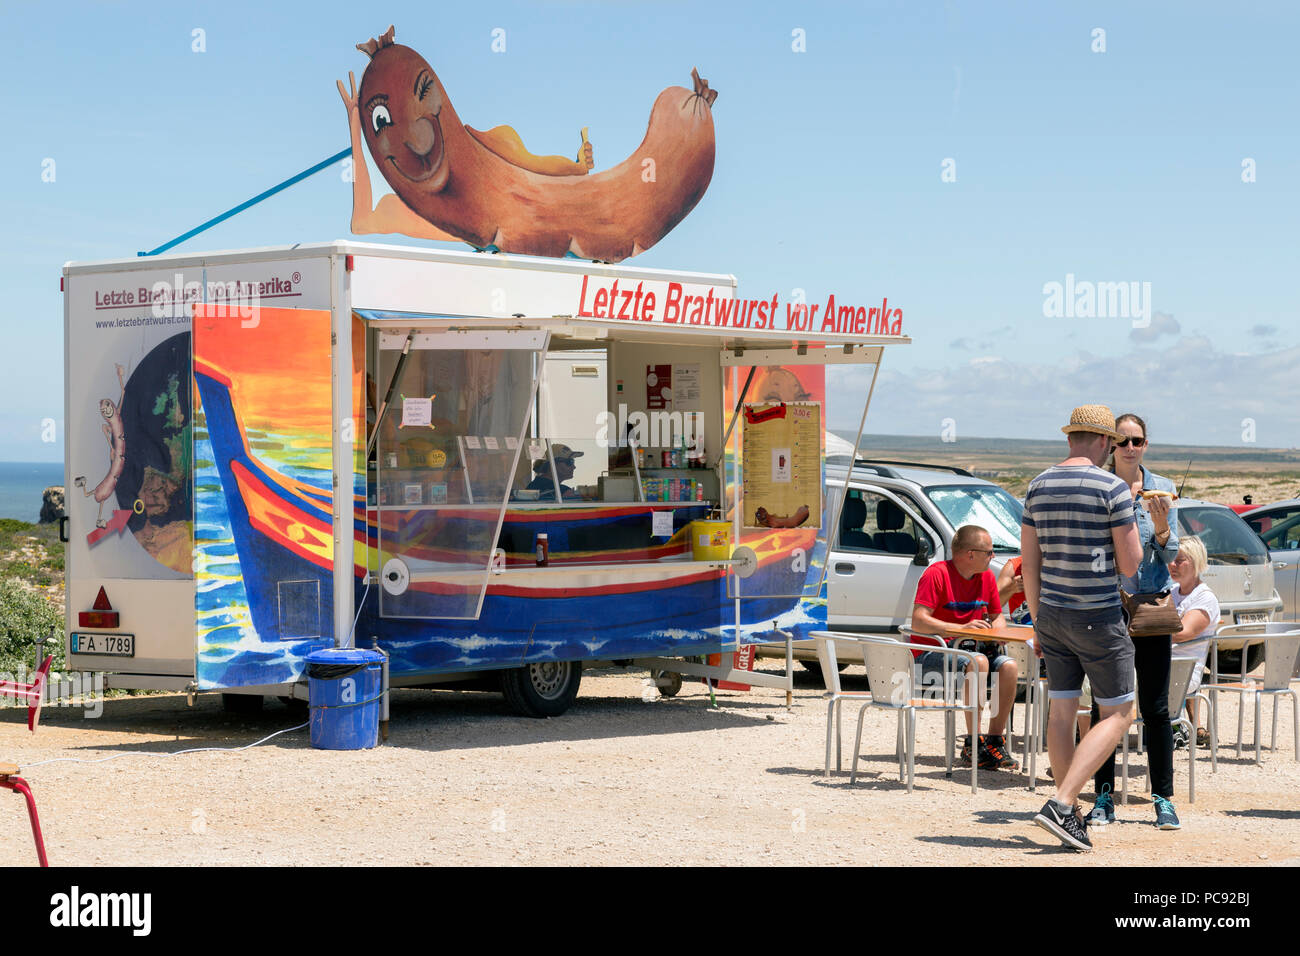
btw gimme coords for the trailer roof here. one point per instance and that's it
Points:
(340, 247)
(393, 284)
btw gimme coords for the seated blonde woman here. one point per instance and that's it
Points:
(1199, 610)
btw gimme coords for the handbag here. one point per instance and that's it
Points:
(1152, 614)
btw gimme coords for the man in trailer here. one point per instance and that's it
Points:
(564, 465)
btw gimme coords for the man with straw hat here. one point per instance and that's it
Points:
(1079, 531)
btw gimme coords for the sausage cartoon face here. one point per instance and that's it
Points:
(401, 115)
(451, 181)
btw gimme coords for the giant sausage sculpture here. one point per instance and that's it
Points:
(454, 182)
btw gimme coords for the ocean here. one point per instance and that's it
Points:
(21, 485)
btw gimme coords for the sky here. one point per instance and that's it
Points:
(957, 158)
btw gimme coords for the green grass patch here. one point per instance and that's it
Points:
(23, 616)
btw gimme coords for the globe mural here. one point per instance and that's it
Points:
(157, 478)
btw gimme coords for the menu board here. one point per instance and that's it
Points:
(782, 465)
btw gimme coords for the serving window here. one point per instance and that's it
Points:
(623, 423)
(448, 443)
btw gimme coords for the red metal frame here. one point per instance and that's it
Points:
(33, 693)
(19, 785)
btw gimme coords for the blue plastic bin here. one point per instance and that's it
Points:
(344, 692)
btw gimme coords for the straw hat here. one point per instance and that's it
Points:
(1097, 419)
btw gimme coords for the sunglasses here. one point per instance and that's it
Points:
(1137, 442)
(564, 461)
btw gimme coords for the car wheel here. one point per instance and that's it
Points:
(544, 689)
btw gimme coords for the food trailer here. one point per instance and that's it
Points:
(470, 462)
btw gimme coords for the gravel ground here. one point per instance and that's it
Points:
(624, 778)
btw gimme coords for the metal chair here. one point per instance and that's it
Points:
(1281, 640)
(930, 642)
(1181, 670)
(829, 659)
(1035, 694)
(33, 693)
(891, 665)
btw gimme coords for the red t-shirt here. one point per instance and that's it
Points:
(1018, 599)
(954, 599)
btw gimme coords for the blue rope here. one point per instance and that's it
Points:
(341, 154)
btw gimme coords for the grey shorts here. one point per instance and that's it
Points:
(932, 661)
(1091, 642)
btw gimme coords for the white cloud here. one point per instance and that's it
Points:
(1161, 324)
(1185, 389)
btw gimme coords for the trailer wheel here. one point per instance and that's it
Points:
(668, 682)
(545, 689)
(241, 703)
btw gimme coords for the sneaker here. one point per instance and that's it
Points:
(965, 752)
(1103, 811)
(995, 756)
(1181, 738)
(1067, 827)
(1202, 737)
(1166, 818)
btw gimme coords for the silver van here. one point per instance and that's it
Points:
(1240, 573)
(898, 518)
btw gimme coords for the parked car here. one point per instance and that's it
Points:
(1240, 573)
(1278, 526)
(1247, 504)
(897, 519)
(900, 517)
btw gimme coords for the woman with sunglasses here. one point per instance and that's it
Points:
(1152, 654)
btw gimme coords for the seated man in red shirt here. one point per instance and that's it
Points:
(962, 591)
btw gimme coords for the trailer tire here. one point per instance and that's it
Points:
(241, 703)
(544, 689)
(672, 682)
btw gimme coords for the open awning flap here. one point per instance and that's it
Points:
(817, 346)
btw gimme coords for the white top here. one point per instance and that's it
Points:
(1201, 598)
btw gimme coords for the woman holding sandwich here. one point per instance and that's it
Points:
(1153, 497)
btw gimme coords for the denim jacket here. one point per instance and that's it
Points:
(1153, 572)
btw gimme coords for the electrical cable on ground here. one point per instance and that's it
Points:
(146, 753)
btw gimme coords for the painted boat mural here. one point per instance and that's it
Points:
(264, 562)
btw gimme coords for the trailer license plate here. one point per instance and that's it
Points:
(108, 645)
(1252, 617)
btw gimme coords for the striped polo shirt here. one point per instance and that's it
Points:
(1073, 508)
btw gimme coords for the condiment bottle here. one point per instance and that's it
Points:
(543, 550)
